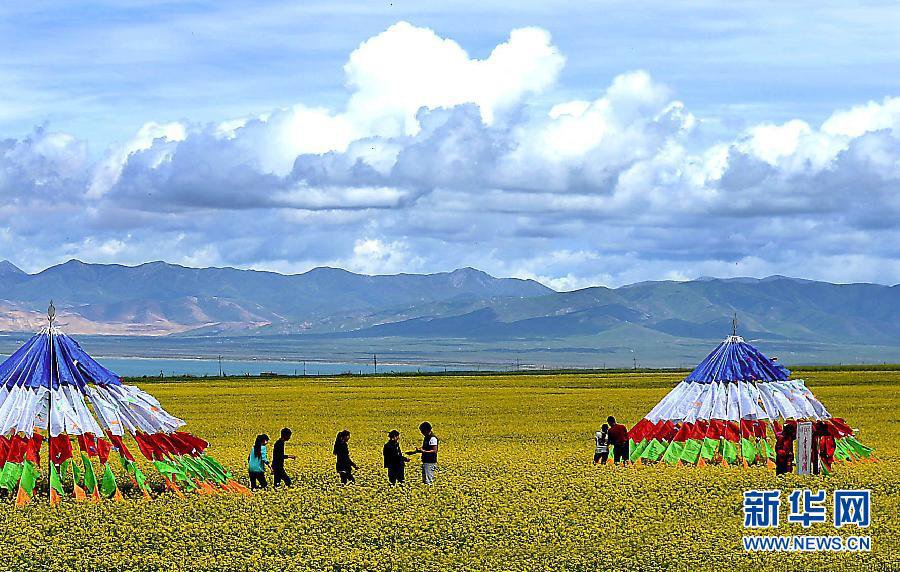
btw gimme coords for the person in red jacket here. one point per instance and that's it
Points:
(823, 447)
(618, 438)
(784, 449)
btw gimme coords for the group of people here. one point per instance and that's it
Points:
(259, 460)
(395, 458)
(822, 447)
(614, 435)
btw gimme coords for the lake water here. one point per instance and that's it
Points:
(136, 367)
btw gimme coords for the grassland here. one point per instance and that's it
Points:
(515, 491)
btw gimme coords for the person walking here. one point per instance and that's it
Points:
(394, 460)
(601, 445)
(429, 451)
(257, 462)
(344, 463)
(278, 473)
(618, 438)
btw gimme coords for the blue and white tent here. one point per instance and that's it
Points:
(52, 373)
(736, 381)
(728, 406)
(52, 391)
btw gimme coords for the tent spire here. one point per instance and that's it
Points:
(51, 314)
(734, 325)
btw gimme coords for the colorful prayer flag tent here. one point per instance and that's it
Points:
(728, 408)
(52, 391)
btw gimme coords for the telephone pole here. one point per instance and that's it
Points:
(375, 363)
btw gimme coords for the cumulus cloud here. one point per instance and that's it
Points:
(438, 160)
(405, 68)
(42, 165)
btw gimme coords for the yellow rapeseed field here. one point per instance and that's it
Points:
(515, 489)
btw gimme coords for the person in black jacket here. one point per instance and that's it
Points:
(394, 461)
(278, 458)
(345, 464)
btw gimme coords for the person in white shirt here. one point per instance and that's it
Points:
(429, 451)
(601, 441)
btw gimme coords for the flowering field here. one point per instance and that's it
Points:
(515, 489)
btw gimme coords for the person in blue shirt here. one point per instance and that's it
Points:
(257, 462)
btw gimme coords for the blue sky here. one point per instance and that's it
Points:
(580, 144)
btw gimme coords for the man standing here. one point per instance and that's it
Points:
(394, 461)
(278, 459)
(618, 437)
(429, 451)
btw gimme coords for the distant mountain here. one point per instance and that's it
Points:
(775, 308)
(158, 298)
(11, 271)
(165, 298)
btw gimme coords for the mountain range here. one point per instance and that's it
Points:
(466, 304)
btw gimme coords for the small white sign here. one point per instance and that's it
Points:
(804, 447)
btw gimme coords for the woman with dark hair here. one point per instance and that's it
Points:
(345, 464)
(257, 462)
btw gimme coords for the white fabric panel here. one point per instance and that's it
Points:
(801, 406)
(35, 407)
(140, 409)
(720, 408)
(782, 401)
(686, 404)
(39, 420)
(25, 409)
(772, 405)
(699, 400)
(666, 403)
(58, 414)
(734, 405)
(72, 420)
(759, 409)
(799, 394)
(107, 412)
(768, 403)
(746, 404)
(814, 403)
(709, 400)
(811, 405)
(11, 410)
(83, 421)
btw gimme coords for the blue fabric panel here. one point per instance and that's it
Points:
(88, 369)
(736, 360)
(15, 361)
(31, 365)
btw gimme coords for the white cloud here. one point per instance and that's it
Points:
(861, 119)
(107, 173)
(440, 160)
(375, 256)
(394, 74)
